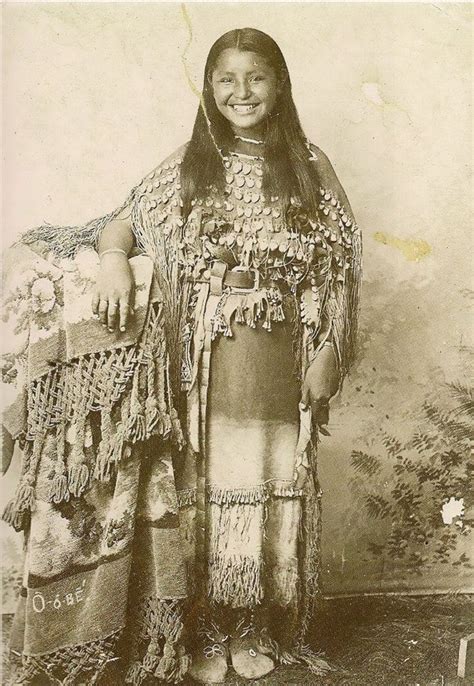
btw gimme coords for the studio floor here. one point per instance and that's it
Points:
(371, 641)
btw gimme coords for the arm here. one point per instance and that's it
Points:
(154, 203)
(114, 294)
(330, 300)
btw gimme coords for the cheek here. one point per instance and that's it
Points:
(267, 92)
(221, 94)
(269, 97)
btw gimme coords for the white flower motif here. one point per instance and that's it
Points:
(43, 288)
(25, 280)
(42, 295)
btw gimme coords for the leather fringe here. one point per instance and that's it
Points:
(235, 581)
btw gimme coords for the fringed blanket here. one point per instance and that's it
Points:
(94, 414)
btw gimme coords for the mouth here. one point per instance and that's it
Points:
(244, 109)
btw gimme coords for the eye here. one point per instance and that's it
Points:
(225, 79)
(258, 77)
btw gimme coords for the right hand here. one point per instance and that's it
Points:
(114, 294)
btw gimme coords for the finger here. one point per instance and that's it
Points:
(112, 315)
(95, 303)
(123, 314)
(320, 413)
(131, 302)
(103, 307)
(305, 396)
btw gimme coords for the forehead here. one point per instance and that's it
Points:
(235, 60)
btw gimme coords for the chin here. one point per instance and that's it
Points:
(246, 123)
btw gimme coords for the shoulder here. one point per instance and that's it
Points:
(172, 161)
(321, 162)
(176, 156)
(166, 173)
(326, 176)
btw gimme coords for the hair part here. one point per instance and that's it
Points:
(288, 172)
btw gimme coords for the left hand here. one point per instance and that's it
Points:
(320, 384)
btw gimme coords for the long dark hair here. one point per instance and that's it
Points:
(288, 173)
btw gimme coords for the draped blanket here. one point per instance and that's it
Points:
(94, 414)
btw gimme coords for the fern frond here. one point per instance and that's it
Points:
(451, 428)
(377, 507)
(393, 446)
(367, 464)
(464, 395)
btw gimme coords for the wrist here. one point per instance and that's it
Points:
(110, 253)
(113, 251)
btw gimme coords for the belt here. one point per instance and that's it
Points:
(241, 279)
(219, 276)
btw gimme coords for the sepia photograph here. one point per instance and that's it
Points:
(237, 400)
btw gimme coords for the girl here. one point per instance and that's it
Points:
(239, 339)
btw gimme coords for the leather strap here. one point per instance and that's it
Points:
(218, 273)
(220, 277)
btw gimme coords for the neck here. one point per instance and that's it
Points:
(248, 139)
(248, 146)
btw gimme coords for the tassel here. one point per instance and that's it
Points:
(136, 429)
(239, 312)
(25, 497)
(286, 658)
(150, 663)
(135, 674)
(184, 663)
(58, 489)
(103, 467)
(14, 518)
(167, 664)
(313, 661)
(267, 323)
(163, 426)
(78, 480)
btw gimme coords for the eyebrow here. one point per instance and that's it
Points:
(233, 72)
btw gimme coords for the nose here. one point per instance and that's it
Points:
(242, 89)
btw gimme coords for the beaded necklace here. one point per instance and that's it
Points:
(249, 140)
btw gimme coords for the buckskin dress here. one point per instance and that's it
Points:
(246, 295)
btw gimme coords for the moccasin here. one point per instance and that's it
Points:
(248, 658)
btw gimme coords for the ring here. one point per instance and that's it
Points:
(114, 305)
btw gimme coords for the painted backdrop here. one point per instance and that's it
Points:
(96, 95)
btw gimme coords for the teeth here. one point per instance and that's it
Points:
(244, 109)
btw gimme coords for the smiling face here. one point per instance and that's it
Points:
(245, 90)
